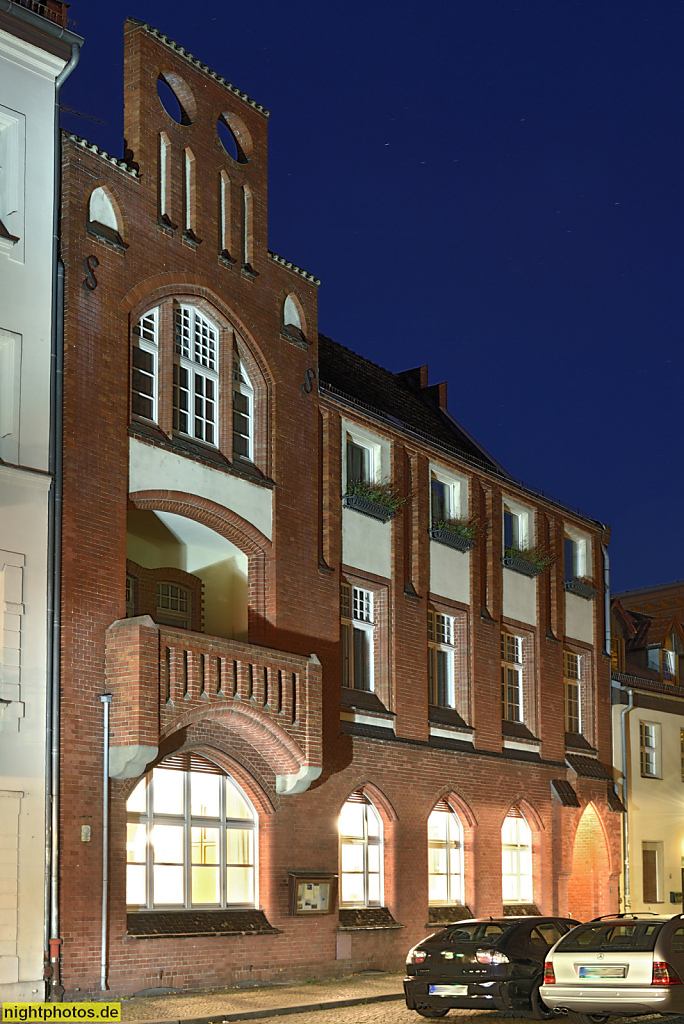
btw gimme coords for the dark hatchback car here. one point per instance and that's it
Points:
(486, 964)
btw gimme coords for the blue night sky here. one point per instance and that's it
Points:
(491, 187)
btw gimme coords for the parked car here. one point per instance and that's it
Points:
(484, 964)
(624, 964)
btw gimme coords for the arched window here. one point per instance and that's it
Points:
(103, 221)
(195, 376)
(291, 317)
(191, 838)
(445, 856)
(360, 828)
(516, 856)
(243, 411)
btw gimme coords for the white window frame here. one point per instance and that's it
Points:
(522, 536)
(365, 842)
(12, 168)
(196, 347)
(358, 617)
(572, 680)
(650, 750)
(519, 849)
(441, 641)
(580, 553)
(242, 386)
(452, 850)
(511, 662)
(147, 334)
(173, 606)
(455, 495)
(187, 820)
(369, 474)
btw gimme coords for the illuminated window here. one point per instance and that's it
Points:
(571, 673)
(357, 637)
(445, 856)
(191, 839)
(511, 678)
(516, 852)
(649, 749)
(360, 829)
(195, 376)
(441, 659)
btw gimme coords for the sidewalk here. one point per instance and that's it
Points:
(219, 1005)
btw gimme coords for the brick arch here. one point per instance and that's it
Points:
(458, 805)
(588, 893)
(234, 528)
(531, 815)
(282, 754)
(377, 798)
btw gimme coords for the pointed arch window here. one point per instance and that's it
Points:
(191, 838)
(243, 410)
(445, 856)
(103, 220)
(361, 853)
(516, 854)
(195, 376)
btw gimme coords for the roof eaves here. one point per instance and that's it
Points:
(182, 52)
(92, 148)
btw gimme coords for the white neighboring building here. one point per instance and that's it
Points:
(36, 48)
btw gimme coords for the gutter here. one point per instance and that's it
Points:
(51, 939)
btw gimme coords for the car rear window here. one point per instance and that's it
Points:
(476, 931)
(639, 936)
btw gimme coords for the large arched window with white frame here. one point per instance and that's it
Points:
(516, 858)
(445, 856)
(195, 375)
(361, 846)
(191, 838)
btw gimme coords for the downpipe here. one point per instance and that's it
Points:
(54, 990)
(625, 817)
(106, 699)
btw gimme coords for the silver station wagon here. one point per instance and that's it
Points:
(623, 965)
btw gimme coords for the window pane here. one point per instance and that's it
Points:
(204, 794)
(437, 860)
(352, 857)
(168, 791)
(440, 503)
(236, 806)
(136, 843)
(135, 884)
(373, 858)
(239, 885)
(437, 889)
(136, 801)
(352, 888)
(351, 820)
(205, 885)
(167, 844)
(362, 659)
(373, 820)
(168, 884)
(239, 846)
(374, 888)
(437, 825)
(204, 845)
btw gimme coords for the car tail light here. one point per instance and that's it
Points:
(549, 976)
(491, 956)
(663, 974)
(416, 956)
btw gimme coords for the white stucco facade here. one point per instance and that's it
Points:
(27, 104)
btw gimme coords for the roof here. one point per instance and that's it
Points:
(587, 767)
(398, 397)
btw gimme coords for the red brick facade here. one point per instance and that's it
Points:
(268, 710)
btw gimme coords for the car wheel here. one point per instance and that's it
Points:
(430, 1011)
(587, 1018)
(540, 1011)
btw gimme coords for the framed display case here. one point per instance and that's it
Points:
(312, 892)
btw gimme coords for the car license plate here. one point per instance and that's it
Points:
(604, 971)
(448, 990)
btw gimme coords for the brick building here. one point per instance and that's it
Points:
(303, 584)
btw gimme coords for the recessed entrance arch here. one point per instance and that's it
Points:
(588, 894)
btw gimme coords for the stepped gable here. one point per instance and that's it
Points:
(406, 404)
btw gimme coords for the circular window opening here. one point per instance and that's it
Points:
(171, 102)
(234, 138)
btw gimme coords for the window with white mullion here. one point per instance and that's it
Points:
(243, 411)
(361, 848)
(516, 851)
(195, 376)
(145, 359)
(572, 679)
(445, 857)
(441, 659)
(511, 678)
(357, 637)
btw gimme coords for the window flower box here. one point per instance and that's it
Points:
(581, 589)
(373, 509)
(521, 565)
(452, 539)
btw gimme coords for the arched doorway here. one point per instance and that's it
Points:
(588, 894)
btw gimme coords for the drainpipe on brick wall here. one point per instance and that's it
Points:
(606, 596)
(52, 941)
(625, 786)
(106, 699)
